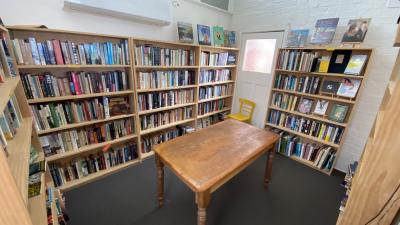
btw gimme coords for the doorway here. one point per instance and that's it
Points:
(258, 57)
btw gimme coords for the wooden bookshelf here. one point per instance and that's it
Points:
(166, 108)
(332, 98)
(166, 89)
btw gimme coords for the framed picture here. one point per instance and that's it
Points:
(338, 112)
(185, 32)
(356, 31)
(204, 34)
(349, 87)
(330, 86)
(321, 107)
(305, 105)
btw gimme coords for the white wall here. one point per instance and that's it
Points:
(257, 15)
(52, 14)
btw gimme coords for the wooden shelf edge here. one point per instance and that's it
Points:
(147, 155)
(314, 96)
(7, 89)
(306, 162)
(166, 108)
(151, 130)
(304, 135)
(88, 148)
(321, 74)
(165, 89)
(215, 98)
(327, 48)
(217, 67)
(166, 67)
(37, 205)
(95, 176)
(72, 66)
(212, 113)
(216, 83)
(82, 124)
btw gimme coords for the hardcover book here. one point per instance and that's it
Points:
(185, 32)
(330, 86)
(356, 64)
(321, 107)
(339, 61)
(297, 38)
(356, 31)
(204, 34)
(324, 31)
(218, 34)
(229, 38)
(349, 87)
(338, 112)
(305, 105)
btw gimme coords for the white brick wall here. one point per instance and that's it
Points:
(264, 15)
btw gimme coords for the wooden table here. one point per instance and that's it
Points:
(208, 158)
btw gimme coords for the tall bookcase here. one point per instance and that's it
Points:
(134, 91)
(332, 98)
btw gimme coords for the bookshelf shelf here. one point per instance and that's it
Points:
(151, 130)
(72, 66)
(335, 99)
(73, 97)
(88, 148)
(327, 48)
(92, 177)
(310, 116)
(214, 48)
(165, 67)
(147, 155)
(166, 108)
(308, 163)
(213, 113)
(7, 89)
(82, 124)
(216, 83)
(304, 135)
(166, 89)
(18, 158)
(215, 98)
(321, 74)
(36, 205)
(217, 67)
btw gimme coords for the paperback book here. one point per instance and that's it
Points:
(338, 112)
(185, 32)
(297, 38)
(204, 34)
(356, 30)
(356, 64)
(218, 36)
(229, 38)
(324, 31)
(349, 87)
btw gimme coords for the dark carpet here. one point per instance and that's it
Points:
(297, 195)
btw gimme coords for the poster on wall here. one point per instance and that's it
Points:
(356, 31)
(324, 31)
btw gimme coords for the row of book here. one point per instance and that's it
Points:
(347, 183)
(81, 167)
(7, 68)
(155, 100)
(10, 120)
(148, 55)
(165, 79)
(209, 76)
(217, 59)
(297, 60)
(320, 130)
(212, 106)
(36, 170)
(321, 156)
(215, 91)
(149, 141)
(56, 52)
(210, 120)
(54, 115)
(60, 142)
(165, 117)
(61, 215)
(304, 84)
(73, 83)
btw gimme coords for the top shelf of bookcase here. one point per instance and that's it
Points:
(327, 48)
(30, 29)
(216, 48)
(153, 41)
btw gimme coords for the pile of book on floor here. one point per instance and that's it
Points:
(347, 184)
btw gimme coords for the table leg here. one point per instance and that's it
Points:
(268, 167)
(160, 181)
(202, 200)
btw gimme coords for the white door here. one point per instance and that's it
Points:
(258, 57)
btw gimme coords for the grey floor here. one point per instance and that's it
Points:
(297, 195)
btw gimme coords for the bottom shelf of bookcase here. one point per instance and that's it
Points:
(309, 163)
(147, 155)
(37, 205)
(95, 176)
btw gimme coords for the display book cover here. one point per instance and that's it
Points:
(324, 31)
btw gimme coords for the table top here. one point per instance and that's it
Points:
(206, 157)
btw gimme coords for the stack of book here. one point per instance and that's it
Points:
(297, 60)
(7, 68)
(74, 83)
(57, 52)
(209, 76)
(320, 130)
(54, 115)
(10, 120)
(165, 117)
(157, 100)
(83, 166)
(165, 79)
(215, 91)
(148, 55)
(212, 106)
(304, 84)
(321, 156)
(36, 169)
(347, 184)
(56, 143)
(216, 59)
